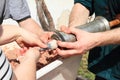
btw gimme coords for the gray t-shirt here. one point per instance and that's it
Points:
(15, 9)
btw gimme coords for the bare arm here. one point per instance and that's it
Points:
(31, 25)
(26, 70)
(24, 38)
(79, 15)
(8, 33)
(109, 37)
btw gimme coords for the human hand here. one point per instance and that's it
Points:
(45, 36)
(31, 53)
(28, 39)
(31, 25)
(85, 42)
(28, 64)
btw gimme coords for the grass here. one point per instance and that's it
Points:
(83, 71)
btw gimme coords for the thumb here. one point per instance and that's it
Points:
(65, 29)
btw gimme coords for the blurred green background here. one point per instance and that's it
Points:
(83, 71)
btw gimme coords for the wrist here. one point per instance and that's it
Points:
(18, 36)
(34, 57)
(98, 39)
(29, 59)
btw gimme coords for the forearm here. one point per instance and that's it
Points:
(26, 70)
(30, 25)
(109, 37)
(8, 33)
(79, 15)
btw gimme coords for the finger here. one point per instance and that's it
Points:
(65, 29)
(40, 44)
(67, 53)
(21, 58)
(75, 31)
(44, 39)
(46, 36)
(66, 44)
(17, 52)
(20, 43)
(23, 50)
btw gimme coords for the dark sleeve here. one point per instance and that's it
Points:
(19, 10)
(87, 3)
